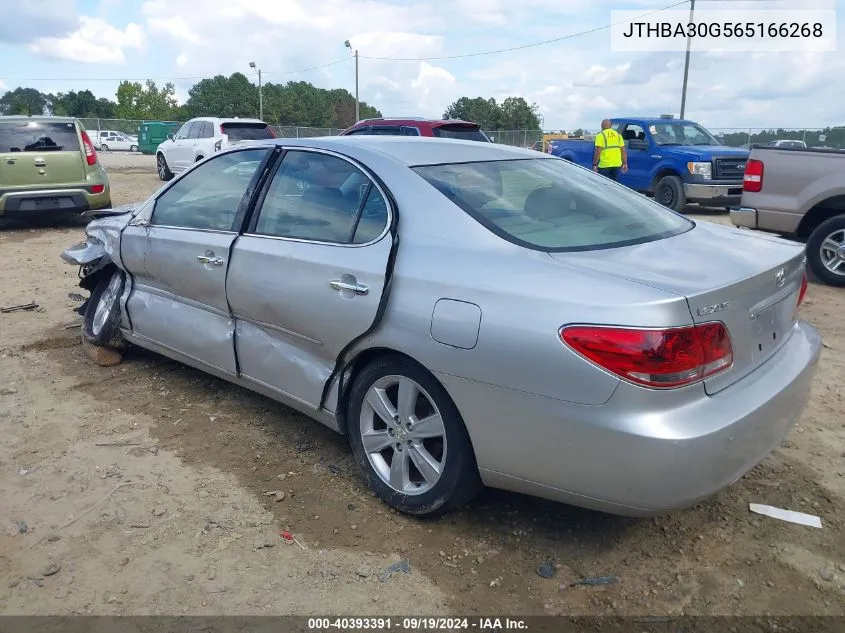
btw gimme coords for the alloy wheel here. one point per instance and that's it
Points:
(832, 252)
(403, 435)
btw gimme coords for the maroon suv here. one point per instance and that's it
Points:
(450, 128)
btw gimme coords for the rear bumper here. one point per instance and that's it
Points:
(717, 194)
(744, 217)
(642, 452)
(51, 201)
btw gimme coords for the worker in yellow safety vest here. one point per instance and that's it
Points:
(609, 156)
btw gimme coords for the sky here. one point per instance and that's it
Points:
(61, 45)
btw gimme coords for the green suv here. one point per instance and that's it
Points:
(48, 165)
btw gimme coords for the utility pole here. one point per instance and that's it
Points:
(260, 92)
(686, 63)
(357, 102)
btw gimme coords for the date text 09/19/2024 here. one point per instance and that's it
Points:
(486, 624)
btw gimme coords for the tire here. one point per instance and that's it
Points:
(101, 324)
(104, 148)
(826, 266)
(163, 170)
(447, 444)
(133, 148)
(669, 191)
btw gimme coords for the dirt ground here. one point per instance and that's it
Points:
(142, 489)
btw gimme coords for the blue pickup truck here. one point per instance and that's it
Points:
(674, 160)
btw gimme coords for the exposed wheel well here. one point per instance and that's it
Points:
(666, 171)
(351, 371)
(818, 214)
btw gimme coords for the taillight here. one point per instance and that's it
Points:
(661, 358)
(753, 179)
(803, 290)
(272, 133)
(222, 131)
(98, 188)
(90, 152)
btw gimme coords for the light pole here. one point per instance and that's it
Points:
(686, 64)
(260, 91)
(357, 103)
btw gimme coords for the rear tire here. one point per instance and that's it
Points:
(101, 325)
(104, 148)
(826, 251)
(669, 192)
(133, 148)
(163, 170)
(427, 434)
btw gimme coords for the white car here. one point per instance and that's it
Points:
(203, 136)
(116, 141)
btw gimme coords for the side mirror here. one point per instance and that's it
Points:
(171, 137)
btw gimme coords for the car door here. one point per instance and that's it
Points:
(178, 301)
(307, 275)
(639, 157)
(204, 146)
(182, 148)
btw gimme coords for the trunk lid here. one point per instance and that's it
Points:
(749, 282)
(35, 153)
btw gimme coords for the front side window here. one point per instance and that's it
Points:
(682, 134)
(208, 196)
(184, 131)
(552, 205)
(321, 198)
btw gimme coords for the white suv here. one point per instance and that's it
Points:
(203, 136)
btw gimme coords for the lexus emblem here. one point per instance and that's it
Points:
(780, 278)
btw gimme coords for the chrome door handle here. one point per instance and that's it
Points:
(210, 259)
(39, 162)
(358, 289)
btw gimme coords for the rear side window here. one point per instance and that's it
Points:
(247, 131)
(551, 205)
(38, 136)
(464, 132)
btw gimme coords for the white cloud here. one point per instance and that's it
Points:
(94, 42)
(181, 60)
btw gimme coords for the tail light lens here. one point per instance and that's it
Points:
(272, 133)
(803, 290)
(98, 188)
(753, 179)
(659, 358)
(222, 131)
(90, 152)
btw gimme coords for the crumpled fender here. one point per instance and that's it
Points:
(84, 253)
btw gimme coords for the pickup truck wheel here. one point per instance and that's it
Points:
(670, 193)
(826, 251)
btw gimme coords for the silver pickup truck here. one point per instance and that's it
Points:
(799, 193)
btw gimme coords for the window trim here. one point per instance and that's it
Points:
(493, 228)
(240, 211)
(249, 229)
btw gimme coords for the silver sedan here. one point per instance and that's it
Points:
(467, 314)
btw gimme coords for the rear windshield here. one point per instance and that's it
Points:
(247, 131)
(464, 132)
(552, 205)
(38, 136)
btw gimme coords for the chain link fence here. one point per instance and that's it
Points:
(732, 137)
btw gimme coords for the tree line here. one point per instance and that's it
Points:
(295, 103)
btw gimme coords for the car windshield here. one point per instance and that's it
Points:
(464, 132)
(552, 205)
(38, 136)
(247, 131)
(681, 134)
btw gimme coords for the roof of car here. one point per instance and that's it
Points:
(38, 117)
(412, 150)
(216, 119)
(412, 120)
